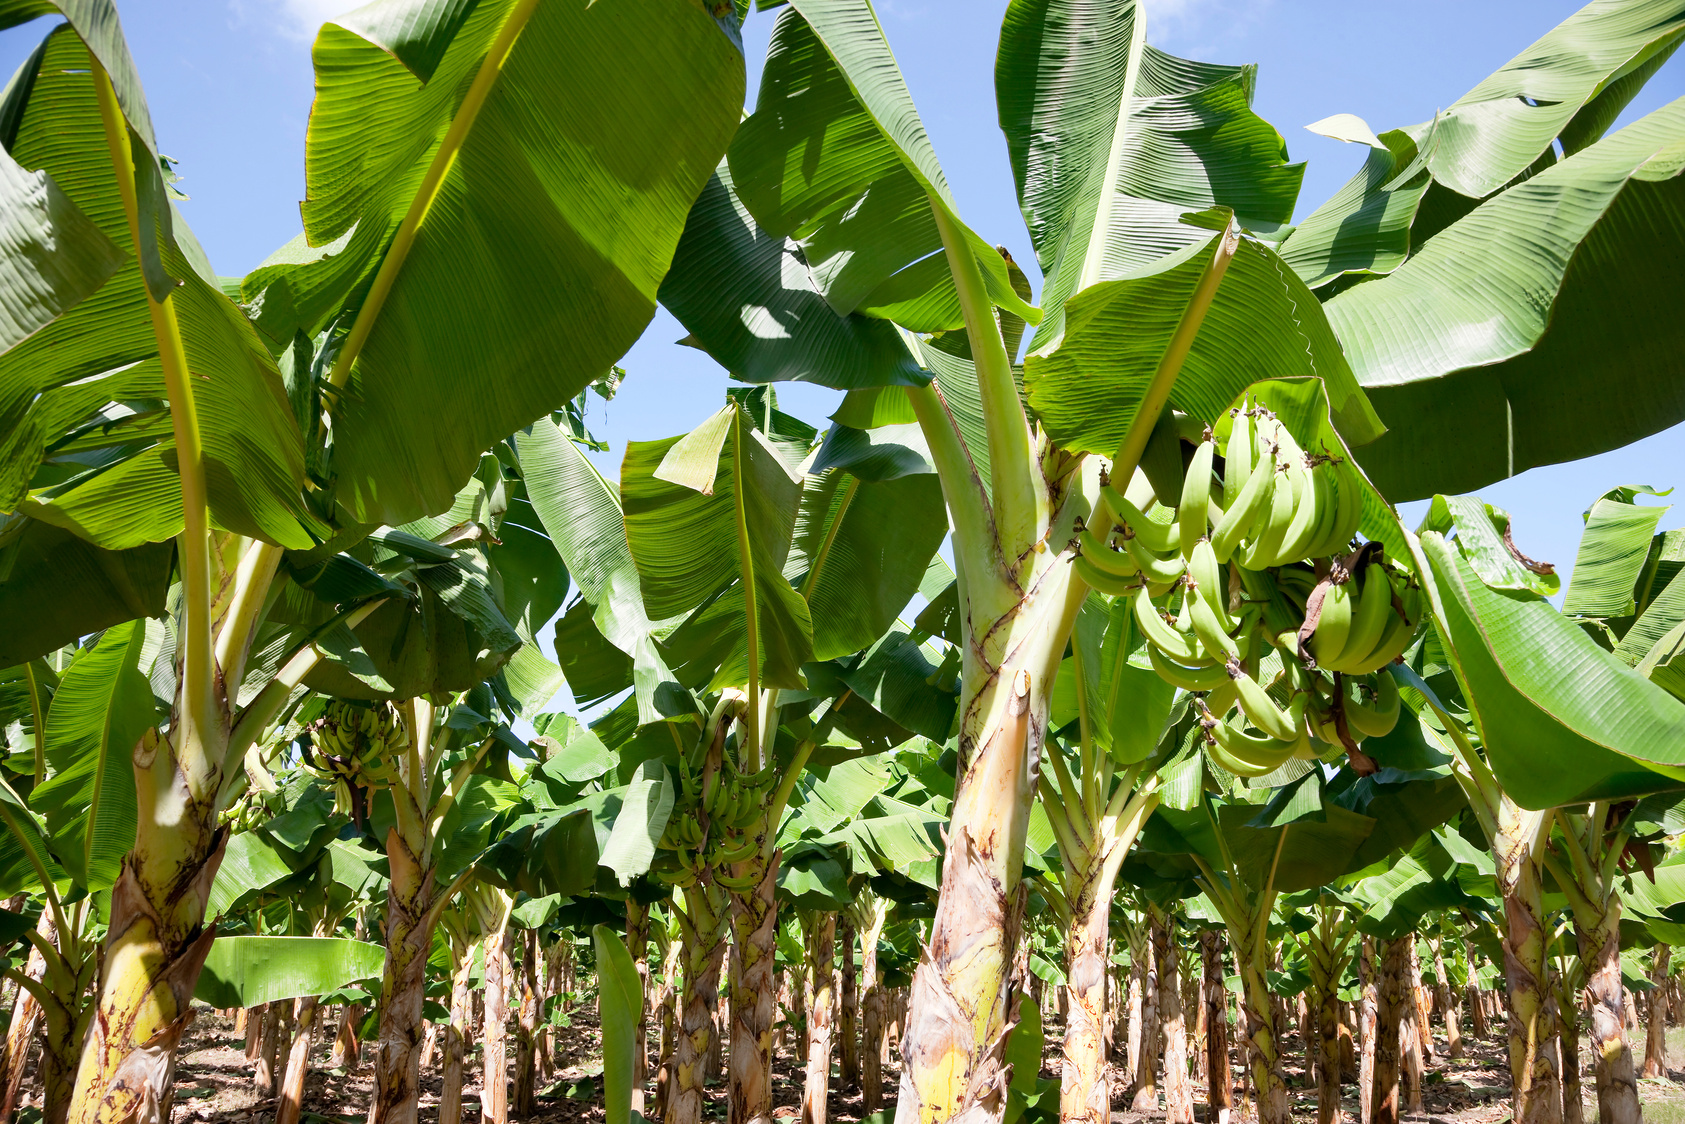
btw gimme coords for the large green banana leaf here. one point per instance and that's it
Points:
(246, 971)
(1113, 140)
(59, 588)
(1263, 324)
(1568, 87)
(1365, 227)
(102, 708)
(621, 1001)
(251, 863)
(1560, 719)
(835, 155)
(750, 302)
(52, 256)
(581, 512)
(708, 516)
(73, 458)
(1571, 83)
(540, 252)
(1536, 329)
(859, 552)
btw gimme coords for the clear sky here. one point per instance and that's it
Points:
(229, 82)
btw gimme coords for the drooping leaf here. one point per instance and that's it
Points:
(748, 300)
(1534, 330)
(859, 551)
(1481, 532)
(101, 709)
(860, 200)
(58, 587)
(121, 489)
(621, 995)
(581, 512)
(51, 255)
(1365, 226)
(644, 811)
(246, 971)
(1566, 84)
(1561, 720)
(1113, 140)
(1613, 549)
(543, 245)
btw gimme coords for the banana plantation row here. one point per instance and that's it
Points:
(1089, 616)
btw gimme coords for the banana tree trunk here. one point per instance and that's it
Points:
(702, 925)
(1219, 1081)
(1326, 968)
(1146, 1050)
(157, 940)
(1655, 1040)
(254, 1031)
(1389, 1015)
(821, 933)
(1532, 1023)
(1085, 1094)
(1368, 1027)
(1611, 1056)
(754, 993)
(457, 1033)
(1136, 1009)
(1412, 1068)
(962, 993)
(1568, 1036)
(26, 1013)
(1448, 1004)
(346, 1048)
(848, 998)
(276, 1027)
(1422, 1007)
(494, 1097)
(291, 1103)
(874, 1030)
(1178, 1093)
(526, 1032)
(1264, 1049)
(409, 939)
(669, 1023)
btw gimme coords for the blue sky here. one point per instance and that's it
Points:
(229, 83)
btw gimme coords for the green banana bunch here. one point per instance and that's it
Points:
(351, 747)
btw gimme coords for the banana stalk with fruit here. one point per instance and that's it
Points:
(1251, 593)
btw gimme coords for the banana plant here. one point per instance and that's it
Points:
(1511, 682)
(339, 379)
(1015, 494)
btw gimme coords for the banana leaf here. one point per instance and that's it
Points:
(707, 515)
(621, 999)
(1262, 324)
(247, 971)
(860, 203)
(1535, 329)
(59, 587)
(538, 251)
(1561, 720)
(1111, 140)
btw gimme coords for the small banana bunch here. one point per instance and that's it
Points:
(351, 747)
(734, 806)
(738, 806)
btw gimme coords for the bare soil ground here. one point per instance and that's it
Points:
(214, 1084)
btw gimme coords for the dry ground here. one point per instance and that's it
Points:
(214, 1085)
